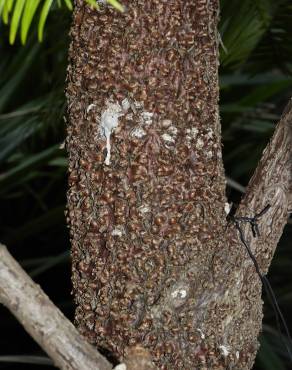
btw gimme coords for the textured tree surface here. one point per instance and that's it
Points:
(44, 321)
(155, 262)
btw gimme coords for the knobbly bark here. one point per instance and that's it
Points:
(155, 263)
(44, 321)
(271, 184)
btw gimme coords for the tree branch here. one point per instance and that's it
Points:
(271, 184)
(44, 321)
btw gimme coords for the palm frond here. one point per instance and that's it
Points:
(242, 27)
(275, 48)
(22, 12)
(43, 16)
(14, 73)
(268, 358)
(28, 14)
(6, 9)
(18, 8)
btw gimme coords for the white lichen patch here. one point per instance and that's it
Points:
(138, 105)
(90, 107)
(209, 134)
(209, 154)
(199, 144)
(144, 209)
(201, 333)
(147, 118)
(130, 117)
(191, 134)
(225, 350)
(120, 367)
(227, 321)
(175, 298)
(179, 293)
(138, 132)
(108, 122)
(227, 208)
(165, 123)
(118, 231)
(126, 105)
(167, 137)
(172, 130)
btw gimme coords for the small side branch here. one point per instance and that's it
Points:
(271, 185)
(44, 321)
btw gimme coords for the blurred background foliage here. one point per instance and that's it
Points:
(255, 82)
(20, 14)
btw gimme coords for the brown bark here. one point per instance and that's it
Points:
(236, 275)
(271, 184)
(155, 263)
(44, 321)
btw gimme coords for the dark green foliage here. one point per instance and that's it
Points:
(33, 169)
(255, 78)
(20, 14)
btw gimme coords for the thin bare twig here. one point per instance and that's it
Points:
(44, 321)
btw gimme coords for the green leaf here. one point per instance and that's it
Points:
(15, 174)
(16, 72)
(268, 358)
(243, 26)
(1, 6)
(263, 93)
(15, 20)
(93, 4)
(17, 133)
(8, 4)
(69, 4)
(25, 10)
(234, 79)
(116, 4)
(59, 162)
(28, 14)
(50, 263)
(44, 14)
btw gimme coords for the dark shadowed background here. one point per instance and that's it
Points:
(255, 82)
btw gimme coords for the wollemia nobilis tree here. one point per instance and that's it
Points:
(155, 262)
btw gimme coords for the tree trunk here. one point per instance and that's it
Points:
(155, 262)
